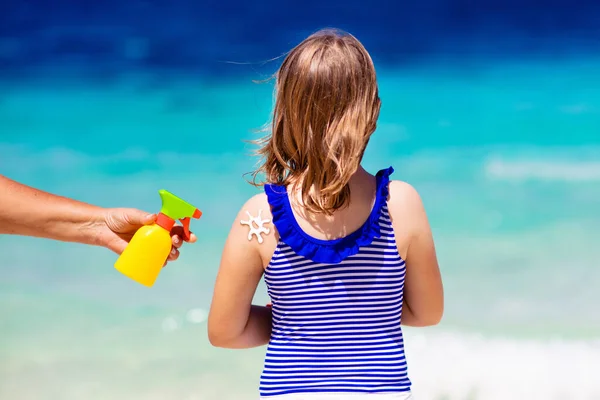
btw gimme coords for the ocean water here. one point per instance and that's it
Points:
(505, 155)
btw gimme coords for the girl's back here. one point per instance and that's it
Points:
(337, 305)
(334, 264)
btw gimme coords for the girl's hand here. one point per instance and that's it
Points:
(118, 225)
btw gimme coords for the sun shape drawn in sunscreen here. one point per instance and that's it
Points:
(259, 228)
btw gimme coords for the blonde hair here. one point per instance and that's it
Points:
(326, 108)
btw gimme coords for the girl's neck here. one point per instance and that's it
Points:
(345, 220)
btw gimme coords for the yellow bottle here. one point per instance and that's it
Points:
(149, 248)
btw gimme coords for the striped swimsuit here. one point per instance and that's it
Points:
(336, 309)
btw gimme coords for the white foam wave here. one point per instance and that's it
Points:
(457, 366)
(568, 171)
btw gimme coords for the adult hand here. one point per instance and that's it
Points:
(31, 212)
(118, 225)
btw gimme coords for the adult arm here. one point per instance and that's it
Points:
(31, 212)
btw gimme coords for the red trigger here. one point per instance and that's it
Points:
(186, 228)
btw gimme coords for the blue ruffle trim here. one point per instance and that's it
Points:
(326, 251)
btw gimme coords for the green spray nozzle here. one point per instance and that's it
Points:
(178, 209)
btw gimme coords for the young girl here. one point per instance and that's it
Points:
(346, 256)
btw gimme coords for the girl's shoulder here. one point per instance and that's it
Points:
(406, 209)
(257, 201)
(403, 194)
(257, 208)
(254, 222)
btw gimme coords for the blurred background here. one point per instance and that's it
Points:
(491, 109)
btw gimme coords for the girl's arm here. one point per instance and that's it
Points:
(233, 321)
(423, 289)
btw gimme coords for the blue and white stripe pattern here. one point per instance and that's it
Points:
(336, 326)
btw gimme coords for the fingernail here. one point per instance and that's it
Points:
(172, 251)
(175, 239)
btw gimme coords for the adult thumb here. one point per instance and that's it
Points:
(139, 217)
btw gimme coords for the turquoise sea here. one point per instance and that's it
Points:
(506, 156)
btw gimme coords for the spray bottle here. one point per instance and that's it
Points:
(149, 248)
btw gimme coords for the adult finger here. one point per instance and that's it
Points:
(174, 255)
(177, 241)
(177, 230)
